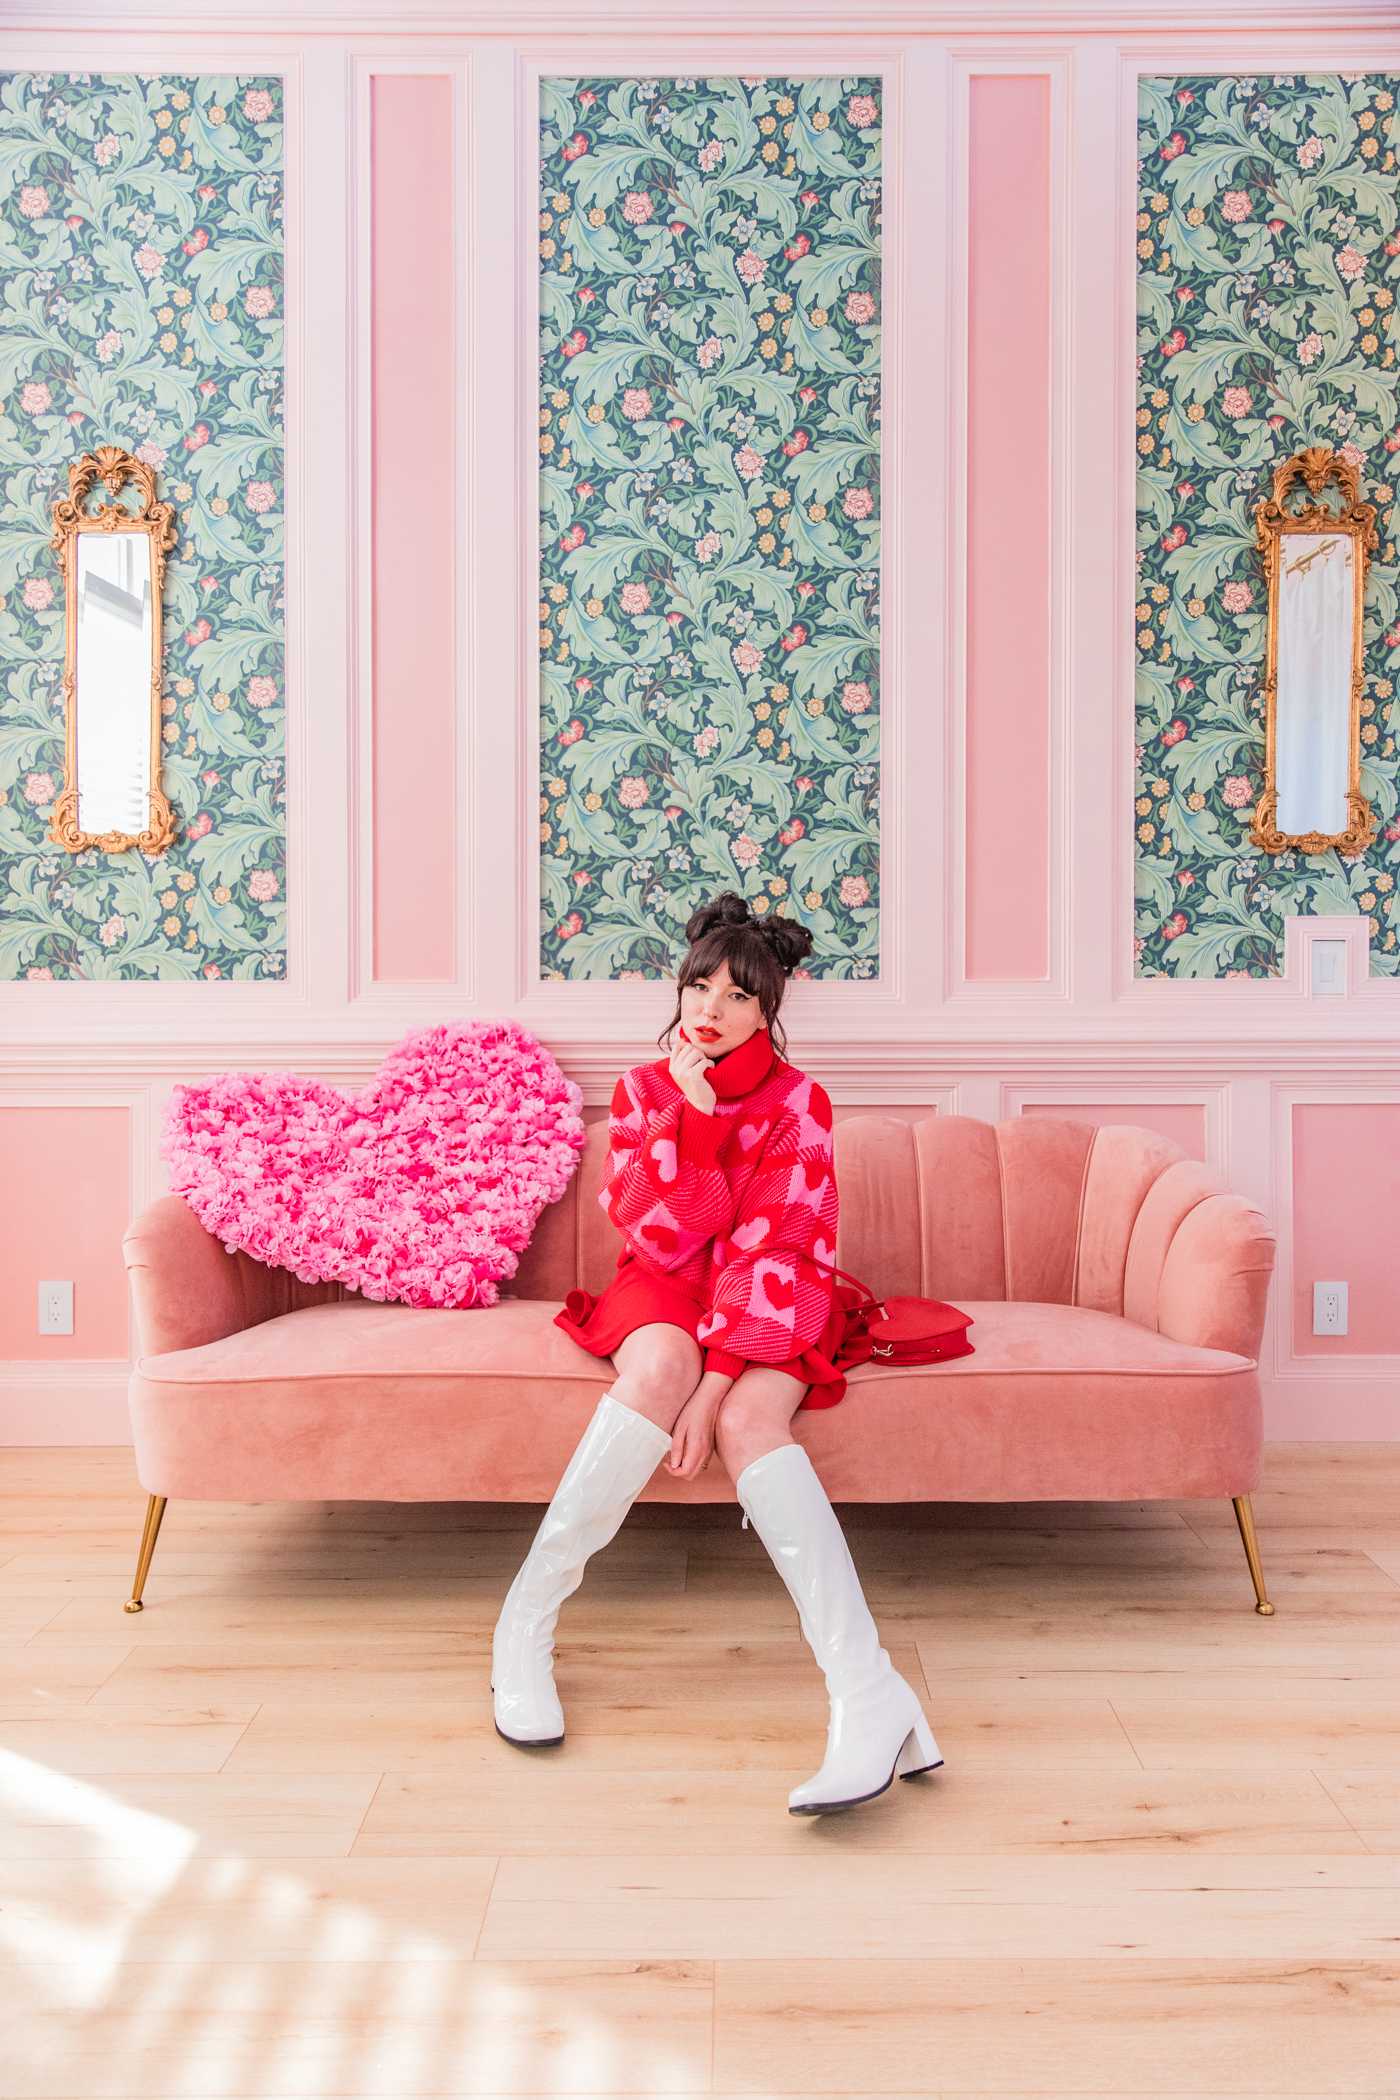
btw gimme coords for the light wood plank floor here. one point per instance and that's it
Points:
(262, 1839)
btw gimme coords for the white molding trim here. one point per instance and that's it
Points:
(1290, 1365)
(81, 1402)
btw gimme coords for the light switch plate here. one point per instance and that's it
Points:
(1329, 1308)
(55, 1308)
(1329, 969)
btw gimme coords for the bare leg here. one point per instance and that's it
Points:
(658, 1369)
(756, 1417)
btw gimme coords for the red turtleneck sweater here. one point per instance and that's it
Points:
(736, 1210)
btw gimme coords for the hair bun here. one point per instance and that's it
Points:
(728, 910)
(789, 942)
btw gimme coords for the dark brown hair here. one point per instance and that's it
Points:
(760, 955)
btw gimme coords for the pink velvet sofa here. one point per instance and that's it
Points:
(1117, 1295)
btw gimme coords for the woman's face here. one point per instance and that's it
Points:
(717, 1015)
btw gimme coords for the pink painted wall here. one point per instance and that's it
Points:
(413, 341)
(1008, 528)
(66, 1178)
(1184, 1122)
(1346, 1199)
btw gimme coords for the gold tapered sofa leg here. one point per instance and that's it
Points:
(155, 1510)
(1244, 1517)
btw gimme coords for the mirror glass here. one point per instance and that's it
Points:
(112, 557)
(1315, 537)
(1315, 615)
(114, 669)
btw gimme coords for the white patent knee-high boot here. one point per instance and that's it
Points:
(877, 1726)
(619, 1453)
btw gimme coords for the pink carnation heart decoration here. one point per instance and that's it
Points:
(425, 1187)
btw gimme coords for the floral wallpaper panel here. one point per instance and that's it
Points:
(141, 305)
(1268, 260)
(709, 437)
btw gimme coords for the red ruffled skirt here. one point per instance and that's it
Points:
(638, 1298)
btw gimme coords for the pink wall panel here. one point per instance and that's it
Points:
(413, 392)
(1346, 1197)
(1008, 528)
(66, 1179)
(1184, 1122)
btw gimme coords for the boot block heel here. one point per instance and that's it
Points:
(920, 1752)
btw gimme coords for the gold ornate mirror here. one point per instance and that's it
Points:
(113, 565)
(1315, 562)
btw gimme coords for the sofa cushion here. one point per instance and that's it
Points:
(383, 1402)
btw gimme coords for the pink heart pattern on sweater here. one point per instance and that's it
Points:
(424, 1187)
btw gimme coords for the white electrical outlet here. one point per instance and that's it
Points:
(55, 1308)
(1329, 1308)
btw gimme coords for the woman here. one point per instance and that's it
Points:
(720, 1321)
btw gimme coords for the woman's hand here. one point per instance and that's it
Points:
(688, 1068)
(693, 1437)
(692, 1440)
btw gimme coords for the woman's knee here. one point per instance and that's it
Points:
(659, 1372)
(755, 1419)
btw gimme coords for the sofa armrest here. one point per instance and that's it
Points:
(188, 1291)
(1214, 1283)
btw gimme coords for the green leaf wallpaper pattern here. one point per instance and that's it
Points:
(1267, 267)
(709, 433)
(141, 305)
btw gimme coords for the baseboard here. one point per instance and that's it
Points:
(58, 1403)
(1333, 1409)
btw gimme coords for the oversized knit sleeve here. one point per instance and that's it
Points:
(774, 1274)
(665, 1188)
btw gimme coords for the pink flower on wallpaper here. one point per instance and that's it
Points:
(150, 455)
(802, 784)
(1237, 597)
(257, 105)
(1234, 206)
(637, 207)
(212, 970)
(710, 156)
(1353, 454)
(1236, 791)
(632, 793)
(38, 594)
(636, 403)
(636, 598)
(746, 851)
(711, 349)
(211, 780)
(262, 692)
(1310, 153)
(855, 698)
(750, 266)
(749, 463)
(858, 503)
(747, 657)
(112, 930)
(262, 885)
(862, 110)
(1236, 401)
(860, 308)
(707, 547)
(1175, 926)
(107, 346)
(197, 242)
(106, 149)
(572, 734)
(854, 890)
(39, 976)
(35, 398)
(1351, 263)
(259, 495)
(39, 789)
(149, 261)
(793, 832)
(572, 925)
(706, 741)
(208, 192)
(202, 824)
(1309, 348)
(33, 200)
(259, 300)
